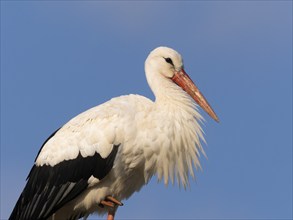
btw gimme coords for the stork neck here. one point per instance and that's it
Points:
(167, 93)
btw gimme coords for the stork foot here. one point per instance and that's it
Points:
(110, 202)
(113, 200)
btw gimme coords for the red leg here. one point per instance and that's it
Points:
(111, 215)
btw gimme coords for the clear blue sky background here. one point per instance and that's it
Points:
(59, 58)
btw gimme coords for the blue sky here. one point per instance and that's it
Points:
(59, 58)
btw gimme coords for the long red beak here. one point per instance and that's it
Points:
(183, 80)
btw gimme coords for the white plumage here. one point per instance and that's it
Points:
(161, 137)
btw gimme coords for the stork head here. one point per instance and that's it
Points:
(166, 65)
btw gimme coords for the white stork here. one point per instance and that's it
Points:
(108, 152)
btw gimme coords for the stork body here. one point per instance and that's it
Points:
(115, 148)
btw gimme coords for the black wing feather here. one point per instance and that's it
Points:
(50, 187)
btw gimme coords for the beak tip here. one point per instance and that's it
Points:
(215, 117)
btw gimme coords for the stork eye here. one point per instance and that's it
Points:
(169, 60)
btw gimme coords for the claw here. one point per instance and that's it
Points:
(115, 201)
(107, 203)
(110, 202)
